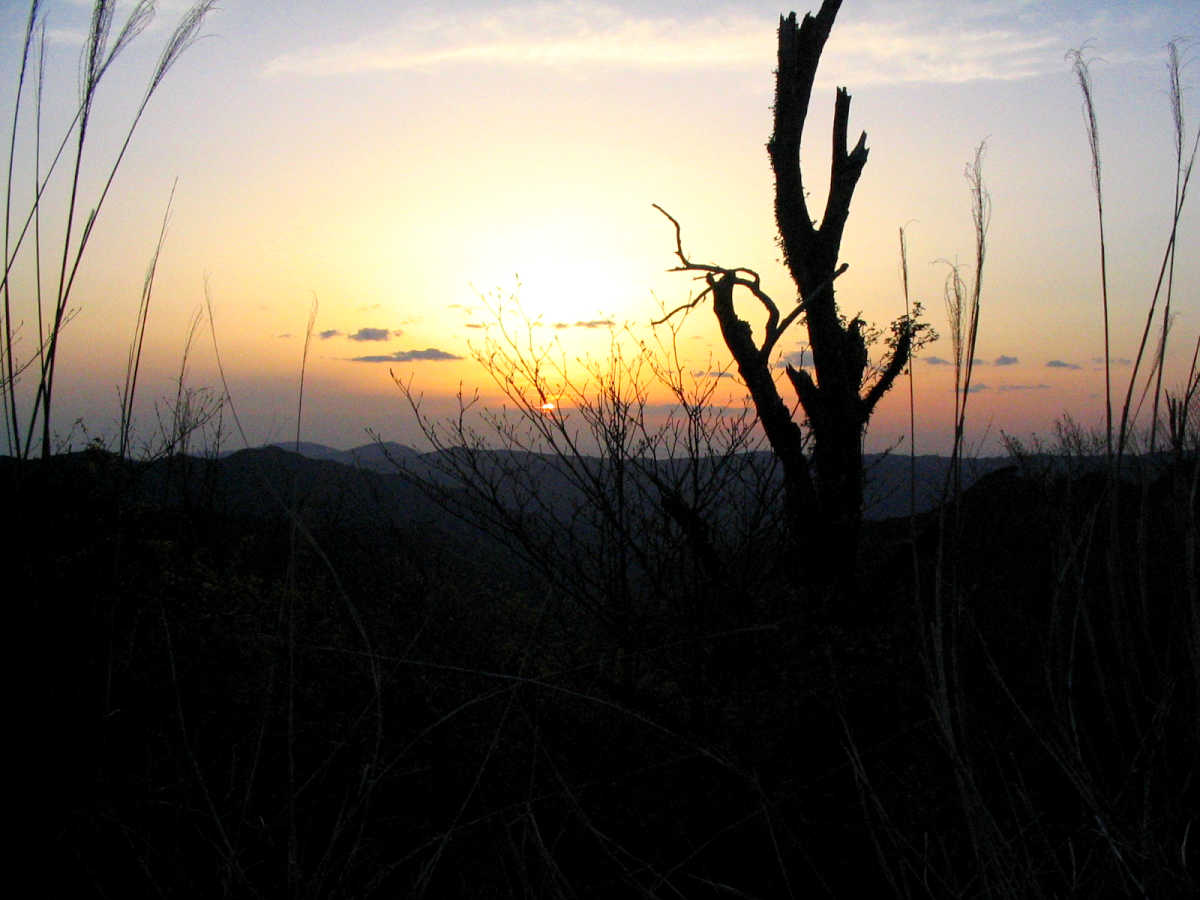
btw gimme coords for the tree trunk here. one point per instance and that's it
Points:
(823, 501)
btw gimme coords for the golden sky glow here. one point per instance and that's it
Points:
(402, 163)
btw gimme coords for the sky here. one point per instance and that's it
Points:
(425, 172)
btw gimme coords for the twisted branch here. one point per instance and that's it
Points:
(739, 276)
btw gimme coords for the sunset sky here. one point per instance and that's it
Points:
(399, 162)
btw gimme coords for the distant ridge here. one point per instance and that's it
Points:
(310, 449)
(377, 457)
(887, 488)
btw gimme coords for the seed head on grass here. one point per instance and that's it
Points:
(186, 33)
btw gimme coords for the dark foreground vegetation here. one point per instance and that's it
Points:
(218, 698)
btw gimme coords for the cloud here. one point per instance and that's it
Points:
(930, 41)
(591, 323)
(1114, 360)
(429, 353)
(370, 334)
(1006, 361)
(284, 336)
(880, 43)
(543, 34)
(1023, 387)
(328, 333)
(1059, 364)
(910, 50)
(473, 325)
(715, 373)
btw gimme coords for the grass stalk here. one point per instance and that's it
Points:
(944, 632)
(1084, 76)
(291, 592)
(1166, 269)
(10, 397)
(134, 360)
(186, 417)
(37, 214)
(1175, 95)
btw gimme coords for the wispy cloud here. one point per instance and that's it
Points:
(1023, 387)
(907, 51)
(1006, 361)
(429, 353)
(591, 323)
(886, 42)
(937, 361)
(544, 34)
(892, 41)
(328, 333)
(1060, 364)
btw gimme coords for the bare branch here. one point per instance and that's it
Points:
(845, 170)
(734, 277)
(687, 264)
(691, 304)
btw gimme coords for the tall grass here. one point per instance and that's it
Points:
(1074, 753)
(133, 363)
(1185, 159)
(29, 410)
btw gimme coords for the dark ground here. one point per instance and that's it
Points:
(214, 702)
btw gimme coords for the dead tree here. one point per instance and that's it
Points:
(823, 495)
